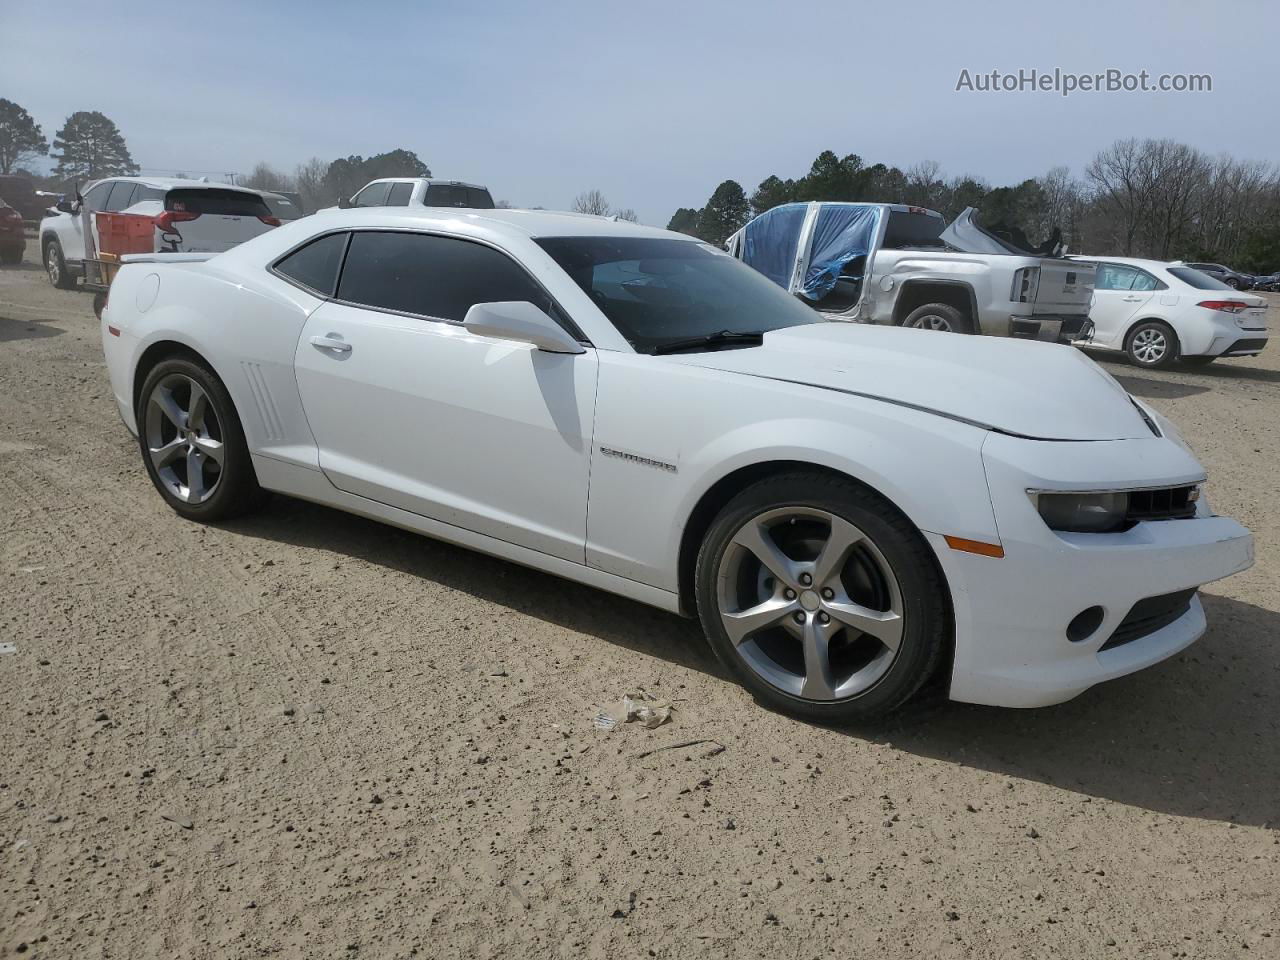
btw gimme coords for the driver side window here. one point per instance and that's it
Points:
(96, 199)
(374, 195)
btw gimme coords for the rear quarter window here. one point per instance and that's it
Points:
(226, 203)
(315, 266)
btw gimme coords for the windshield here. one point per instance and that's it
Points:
(657, 291)
(1194, 278)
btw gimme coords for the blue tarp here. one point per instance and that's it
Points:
(769, 241)
(842, 232)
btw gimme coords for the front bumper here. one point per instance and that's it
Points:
(1012, 613)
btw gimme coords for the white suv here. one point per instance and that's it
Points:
(189, 216)
(420, 191)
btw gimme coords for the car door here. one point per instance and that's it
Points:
(72, 240)
(1115, 301)
(410, 409)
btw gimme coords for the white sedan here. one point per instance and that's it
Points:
(1158, 312)
(851, 511)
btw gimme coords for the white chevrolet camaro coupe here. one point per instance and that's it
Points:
(852, 511)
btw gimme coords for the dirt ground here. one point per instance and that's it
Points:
(307, 735)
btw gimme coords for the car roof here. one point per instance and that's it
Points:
(170, 183)
(1129, 261)
(430, 181)
(528, 223)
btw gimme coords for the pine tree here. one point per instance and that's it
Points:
(89, 147)
(20, 136)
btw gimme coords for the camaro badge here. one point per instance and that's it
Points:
(635, 458)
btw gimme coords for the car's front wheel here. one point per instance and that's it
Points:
(55, 264)
(821, 598)
(192, 443)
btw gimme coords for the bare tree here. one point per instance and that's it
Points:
(628, 214)
(309, 181)
(593, 202)
(266, 177)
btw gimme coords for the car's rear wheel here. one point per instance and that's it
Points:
(11, 256)
(1152, 344)
(56, 265)
(938, 316)
(821, 598)
(192, 443)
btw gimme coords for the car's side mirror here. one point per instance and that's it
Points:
(521, 321)
(65, 206)
(344, 203)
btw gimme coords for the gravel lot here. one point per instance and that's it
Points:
(307, 735)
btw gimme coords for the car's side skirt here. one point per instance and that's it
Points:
(297, 481)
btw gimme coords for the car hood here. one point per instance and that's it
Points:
(1040, 390)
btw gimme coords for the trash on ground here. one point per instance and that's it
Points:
(181, 821)
(635, 708)
(8, 648)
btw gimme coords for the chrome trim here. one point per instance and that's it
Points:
(1033, 492)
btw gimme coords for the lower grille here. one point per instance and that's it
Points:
(1168, 503)
(1149, 615)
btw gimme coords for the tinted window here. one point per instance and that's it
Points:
(226, 203)
(457, 195)
(315, 266)
(96, 199)
(431, 276)
(1194, 278)
(283, 207)
(374, 195)
(656, 290)
(121, 194)
(913, 230)
(398, 195)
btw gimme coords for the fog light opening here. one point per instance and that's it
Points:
(1085, 624)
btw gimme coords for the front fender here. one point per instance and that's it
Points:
(698, 426)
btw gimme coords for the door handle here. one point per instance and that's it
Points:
(1134, 299)
(334, 343)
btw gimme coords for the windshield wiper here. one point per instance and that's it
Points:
(724, 337)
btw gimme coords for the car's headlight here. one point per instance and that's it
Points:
(1083, 512)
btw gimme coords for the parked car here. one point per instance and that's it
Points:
(20, 193)
(849, 509)
(1232, 278)
(1158, 312)
(13, 241)
(188, 216)
(1267, 281)
(894, 264)
(422, 192)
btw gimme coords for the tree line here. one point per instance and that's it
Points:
(1142, 198)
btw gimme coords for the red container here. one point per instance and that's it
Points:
(122, 233)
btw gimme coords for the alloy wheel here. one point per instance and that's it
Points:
(52, 265)
(810, 603)
(184, 438)
(932, 321)
(1149, 345)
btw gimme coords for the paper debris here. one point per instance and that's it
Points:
(635, 708)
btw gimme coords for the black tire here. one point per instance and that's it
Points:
(1151, 331)
(1197, 361)
(931, 315)
(55, 265)
(926, 610)
(11, 257)
(236, 489)
(1232, 282)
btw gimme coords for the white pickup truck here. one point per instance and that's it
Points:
(896, 264)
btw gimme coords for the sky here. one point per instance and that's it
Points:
(652, 103)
